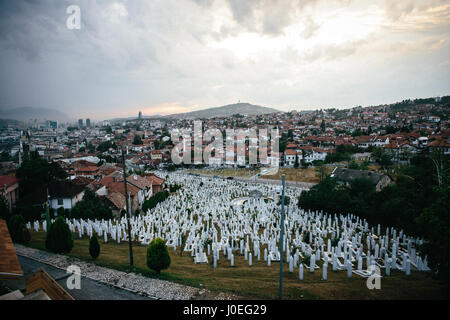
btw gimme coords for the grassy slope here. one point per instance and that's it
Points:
(258, 281)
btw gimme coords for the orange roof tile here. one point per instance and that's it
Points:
(9, 263)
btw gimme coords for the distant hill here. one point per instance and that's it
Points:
(225, 111)
(30, 113)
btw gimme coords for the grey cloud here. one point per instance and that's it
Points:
(398, 9)
(267, 16)
(160, 51)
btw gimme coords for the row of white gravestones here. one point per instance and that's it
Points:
(204, 212)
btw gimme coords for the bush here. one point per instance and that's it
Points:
(60, 212)
(157, 255)
(94, 247)
(154, 200)
(15, 226)
(26, 236)
(91, 207)
(59, 237)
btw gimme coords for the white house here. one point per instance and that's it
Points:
(290, 157)
(63, 194)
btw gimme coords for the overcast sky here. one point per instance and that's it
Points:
(169, 56)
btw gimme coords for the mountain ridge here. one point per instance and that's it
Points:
(243, 108)
(26, 114)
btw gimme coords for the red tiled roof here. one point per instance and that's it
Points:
(8, 180)
(9, 263)
(290, 152)
(154, 179)
(88, 169)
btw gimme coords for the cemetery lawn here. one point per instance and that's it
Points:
(292, 174)
(258, 281)
(299, 174)
(226, 172)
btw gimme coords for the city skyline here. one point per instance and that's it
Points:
(155, 58)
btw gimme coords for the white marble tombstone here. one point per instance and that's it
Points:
(250, 259)
(360, 263)
(300, 271)
(324, 273)
(312, 263)
(334, 262)
(408, 267)
(388, 267)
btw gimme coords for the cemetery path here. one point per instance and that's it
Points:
(90, 289)
(100, 283)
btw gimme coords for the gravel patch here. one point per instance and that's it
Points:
(154, 288)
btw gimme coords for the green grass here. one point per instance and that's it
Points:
(258, 281)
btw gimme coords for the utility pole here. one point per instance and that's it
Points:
(282, 234)
(47, 213)
(128, 209)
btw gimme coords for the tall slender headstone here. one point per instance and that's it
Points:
(408, 267)
(334, 262)
(388, 267)
(324, 273)
(312, 263)
(300, 271)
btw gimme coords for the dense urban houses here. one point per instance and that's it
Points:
(9, 190)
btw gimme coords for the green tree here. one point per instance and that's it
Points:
(94, 247)
(321, 171)
(353, 165)
(35, 173)
(104, 146)
(59, 238)
(61, 212)
(157, 255)
(90, 207)
(154, 200)
(323, 126)
(16, 224)
(4, 209)
(434, 223)
(137, 140)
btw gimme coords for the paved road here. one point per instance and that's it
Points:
(90, 289)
